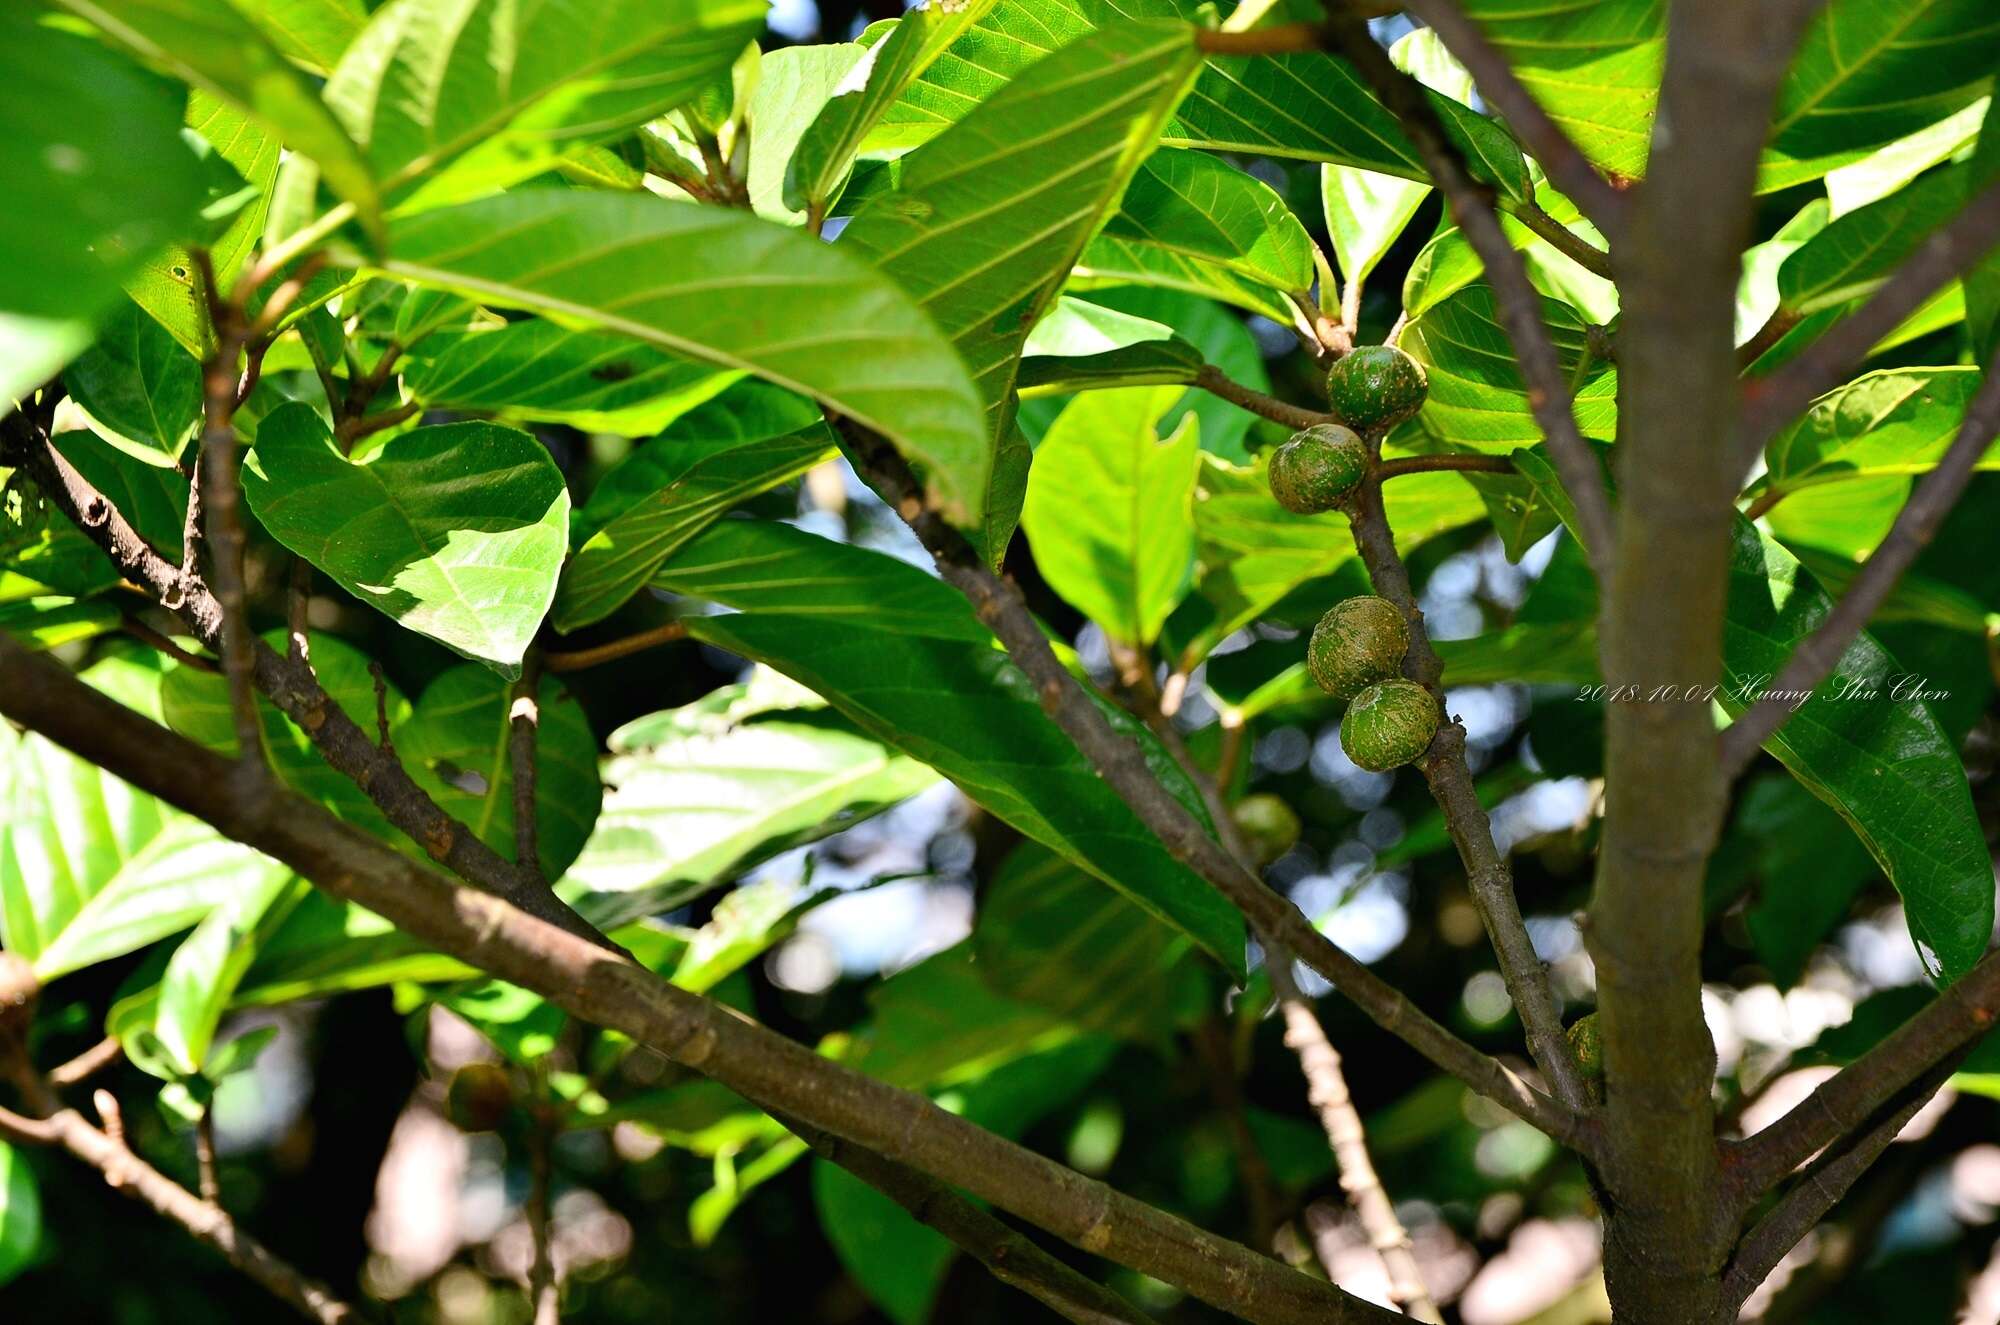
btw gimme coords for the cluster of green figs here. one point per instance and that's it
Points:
(1357, 649)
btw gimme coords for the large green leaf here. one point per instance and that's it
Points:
(988, 218)
(1871, 71)
(1196, 204)
(1366, 213)
(1110, 509)
(326, 947)
(456, 532)
(792, 86)
(536, 370)
(201, 977)
(91, 869)
(963, 708)
(311, 33)
(899, 1263)
(429, 81)
(20, 1213)
(1982, 282)
(1112, 261)
(455, 744)
(695, 799)
(214, 46)
(1896, 422)
(699, 281)
(1477, 398)
(76, 121)
(137, 381)
(1856, 253)
(825, 151)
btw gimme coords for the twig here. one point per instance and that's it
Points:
(1225, 1091)
(1916, 524)
(145, 634)
(609, 990)
(88, 1063)
(1121, 763)
(1278, 39)
(1211, 379)
(524, 720)
(1518, 302)
(353, 429)
(298, 600)
(544, 1292)
(1817, 1192)
(1440, 464)
(1559, 237)
(1775, 328)
(204, 1159)
(1773, 401)
(1487, 874)
(577, 659)
(381, 683)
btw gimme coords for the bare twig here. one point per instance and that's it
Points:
(1515, 298)
(609, 990)
(1775, 327)
(1212, 380)
(576, 660)
(353, 429)
(524, 720)
(87, 1064)
(1559, 237)
(1440, 464)
(1771, 402)
(145, 634)
(1916, 524)
(298, 600)
(544, 1292)
(204, 1159)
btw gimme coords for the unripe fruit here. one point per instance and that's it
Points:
(1376, 386)
(1268, 826)
(1316, 470)
(1388, 725)
(1359, 642)
(479, 1097)
(1587, 1042)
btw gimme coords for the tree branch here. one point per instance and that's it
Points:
(524, 721)
(1818, 1191)
(292, 687)
(1560, 238)
(577, 659)
(1443, 464)
(1519, 304)
(610, 991)
(1916, 524)
(1211, 379)
(1769, 403)
(1121, 763)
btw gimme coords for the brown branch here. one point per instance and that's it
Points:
(1442, 464)
(1564, 163)
(1487, 873)
(1121, 763)
(352, 429)
(204, 1159)
(1819, 1190)
(1011, 1258)
(1775, 328)
(1518, 302)
(145, 634)
(87, 1064)
(576, 660)
(1916, 524)
(1278, 39)
(1560, 238)
(609, 990)
(296, 692)
(524, 721)
(298, 601)
(1773, 401)
(1211, 379)
(544, 1292)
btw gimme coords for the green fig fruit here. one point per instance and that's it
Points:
(479, 1097)
(1587, 1042)
(1317, 468)
(1376, 387)
(1268, 826)
(1388, 725)
(1358, 642)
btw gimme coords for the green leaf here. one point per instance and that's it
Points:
(687, 810)
(138, 382)
(20, 1213)
(49, 621)
(1888, 169)
(1366, 213)
(1199, 205)
(455, 744)
(982, 232)
(593, 381)
(201, 977)
(1896, 422)
(1870, 71)
(688, 481)
(899, 1263)
(818, 166)
(75, 121)
(430, 81)
(1110, 509)
(311, 33)
(212, 45)
(697, 280)
(1982, 282)
(1757, 288)
(456, 532)
(91, 869)
(331, 947)
(793, 85)
(1149, 363)
(1808, 872)
(1856, 253)
(1477, 398)
(1112, 261)
(746, 924)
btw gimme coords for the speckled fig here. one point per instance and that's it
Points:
(1586, 1041)
(1376, 387)
(1269, 827)
(1388, 725)
(1317, 468)
(1358, 642)
(479, 1097)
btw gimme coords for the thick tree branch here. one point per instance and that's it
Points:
(1121, 763)
(1769, 403)
(1916, 524)
(608, 990)
(1518, 303)
(1212, 380)
(1818, 1191)
(1564, 163)
(292, 687)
